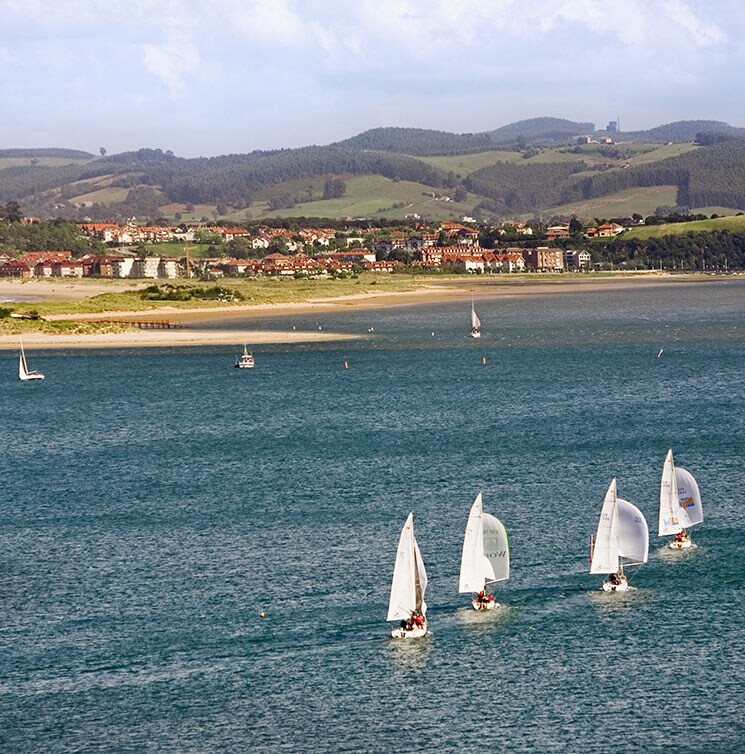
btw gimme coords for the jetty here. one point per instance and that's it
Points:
(144, 324)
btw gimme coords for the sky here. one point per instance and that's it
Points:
(204, 78)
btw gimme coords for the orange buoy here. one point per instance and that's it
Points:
(483, 359)
(346, 366)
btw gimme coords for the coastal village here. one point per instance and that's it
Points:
(311, 252)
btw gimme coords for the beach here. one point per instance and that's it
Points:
(187, 319)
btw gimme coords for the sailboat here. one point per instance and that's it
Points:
(622, 534)
(408, 586)
(246, 361)
(23, 371)
(475, 322)
(680, 504)
(486, 555)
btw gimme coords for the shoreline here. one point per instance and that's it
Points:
(430, 293)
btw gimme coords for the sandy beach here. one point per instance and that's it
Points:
(428, 292)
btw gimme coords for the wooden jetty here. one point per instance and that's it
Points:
(144, 324)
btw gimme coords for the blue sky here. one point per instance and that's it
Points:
(208, 78)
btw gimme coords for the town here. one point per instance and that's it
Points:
(310, 252)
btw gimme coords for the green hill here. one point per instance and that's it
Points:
(538, 170)
(540, 130)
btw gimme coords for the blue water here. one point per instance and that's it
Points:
(154, 502)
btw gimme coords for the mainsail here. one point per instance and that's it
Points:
(409, 577)
(475, 322)
(605, 549)
(486, 553)
(673, 515)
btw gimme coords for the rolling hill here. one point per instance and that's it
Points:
(532, 167)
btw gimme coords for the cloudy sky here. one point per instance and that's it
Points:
(211, 77)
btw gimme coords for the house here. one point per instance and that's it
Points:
(510, 260)
(557, 231)
(122, 266)
(168, 267)
(67, 269)
(577, 259)
(15, 269)
(608, 230)
(382, 266)
(30, 258)
(145, 267)
(544, 259)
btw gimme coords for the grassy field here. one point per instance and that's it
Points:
(732, 223)
(107, 195)
(51, 162)
(253, 291)
(374, 196)
(621, 204)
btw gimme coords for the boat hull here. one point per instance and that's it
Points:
(32, 376)
(244, 366)
(622, 586)
(477, 605)
(680, 544)
(414, 633)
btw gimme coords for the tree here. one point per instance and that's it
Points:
(12, 212)
(334, 188)
(575, 226)
(102, 150)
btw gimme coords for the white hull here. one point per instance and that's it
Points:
(680, 544)
(32, 376)
(475, 334)
(484, 605)
(245, 366)
(414, 633)
(622, 586)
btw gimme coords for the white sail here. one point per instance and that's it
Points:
(673, 516)
(633, 534)
(605, 550)
(486, 551)
(475, 322)
(23, 371)
(409, 577)
(689, 496)
(496, 548)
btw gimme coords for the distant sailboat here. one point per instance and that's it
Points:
(408, 586)
(23, 370)
(680, 504)
(475, 322)
(622, 533)
(246, 361)
(486, 555)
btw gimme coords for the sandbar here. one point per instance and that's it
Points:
(425, 292)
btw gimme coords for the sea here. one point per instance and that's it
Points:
(197, 558)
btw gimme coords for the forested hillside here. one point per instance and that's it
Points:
(709, 176)
(527, 167)
(519, 188)
(540, 130)
(417, 141)
(682, 131)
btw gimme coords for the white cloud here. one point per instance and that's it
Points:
(266, 21)
(702, 31)
(173, 62)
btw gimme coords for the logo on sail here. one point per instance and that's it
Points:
(687, 503)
